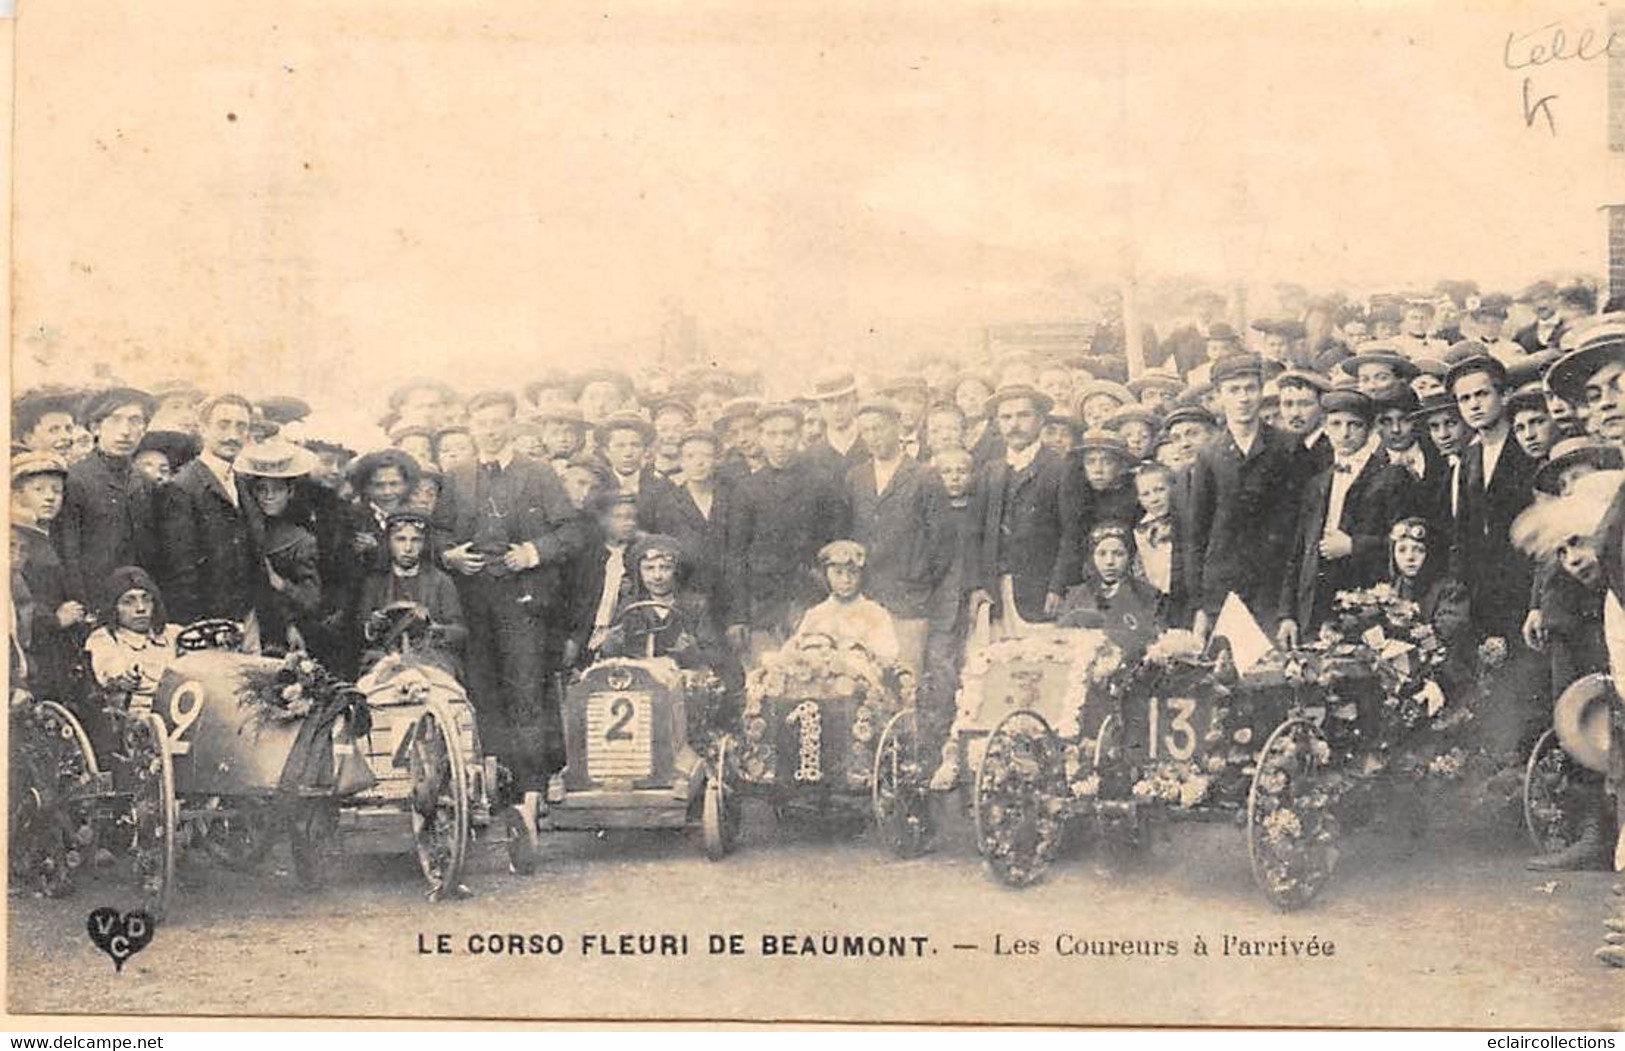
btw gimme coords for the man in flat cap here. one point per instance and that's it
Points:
(1014, 524)
(1347, 509)
(109, 514)
(505, 530)
(898, 513)
(781, 515)
(1244, 489)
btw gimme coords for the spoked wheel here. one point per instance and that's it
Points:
(53, 774)
(899, 787)
(1021, 798)
(313, 827)
(1292, 834)
(237, 833)
(152, 818)
(439, 801)
(720, 812)
(1552, 796)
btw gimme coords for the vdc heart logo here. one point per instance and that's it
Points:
(119, 936)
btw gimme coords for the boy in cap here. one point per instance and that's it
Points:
(847, 615)
(109, 511)
(623, 440)
(50, 618)
(1137, 426)
(1341, 542)
(1187, 430)
(896, 511)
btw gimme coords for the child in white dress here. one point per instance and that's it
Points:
(847, 615)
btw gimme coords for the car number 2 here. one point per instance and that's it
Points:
(622, 711)
(1172, 730)
(185, 705)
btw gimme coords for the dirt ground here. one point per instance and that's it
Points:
(1447, 932)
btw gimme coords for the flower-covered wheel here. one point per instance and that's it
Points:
(53, 773)
(439, 801)
(1553, 796)
(720, 814)
(900, 787)
(1021, 798)
(152, 818)
(1292, 833)
(237, 833)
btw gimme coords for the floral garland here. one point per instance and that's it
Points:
(1094, 658)
(780, 689)
(51, 828)
(292, 689)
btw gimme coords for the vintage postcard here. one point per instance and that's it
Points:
(1000, 513)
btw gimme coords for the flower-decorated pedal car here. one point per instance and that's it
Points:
(642, 750)
(830, 727)
(1281, 748)
(233, 748)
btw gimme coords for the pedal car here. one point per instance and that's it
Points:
(236, 748)
(641, 750)
(829, 727)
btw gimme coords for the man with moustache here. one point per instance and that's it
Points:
(206, 518)
(1014, 524)
(1301, 415)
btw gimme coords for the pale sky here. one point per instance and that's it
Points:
(409, 188)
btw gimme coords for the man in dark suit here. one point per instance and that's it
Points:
(1493, 483)
(1301, 416)
(898, 511)
(1343, 519)
(109, 515)
(696, 513)
(779, 517)
(1013, 530)
(1242, 508)
(209, 522)
(506, 529)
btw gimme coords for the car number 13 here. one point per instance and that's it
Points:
(1173, 732)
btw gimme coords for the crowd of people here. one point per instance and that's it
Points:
(1440, 443)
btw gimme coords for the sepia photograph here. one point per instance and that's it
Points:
(1016, 513)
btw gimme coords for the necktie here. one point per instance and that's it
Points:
(1343, 467)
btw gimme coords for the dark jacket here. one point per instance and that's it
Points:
(777, 522)
(1083, 508)
(586, 586)
(1375, 501)
(903, 530)
(1242, 513)
(1497, 574)
(704, 540)
(531, 507)
(51, 650)
(109, 519)
(291, 551)
(1014, 526)
(213, 564)
(432, 589)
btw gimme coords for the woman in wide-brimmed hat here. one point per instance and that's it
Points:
(292, 594)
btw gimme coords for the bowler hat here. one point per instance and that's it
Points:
(1343, 400)
(1042, 402)
(1434, 404)
(1596, 342)
(1380, 352)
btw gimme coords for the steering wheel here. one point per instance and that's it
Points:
(403, 621)
(648, 603)
(216, 633)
